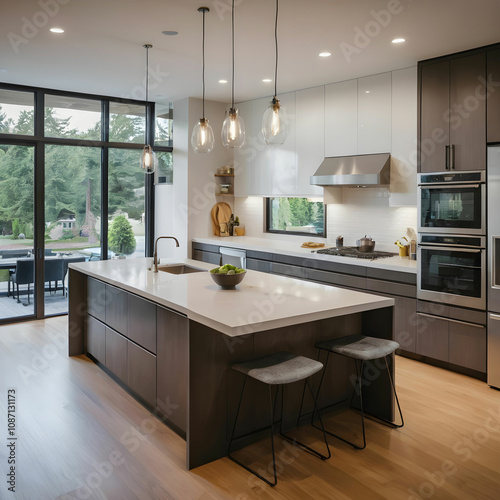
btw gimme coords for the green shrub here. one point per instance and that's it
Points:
(16, 229)
(121, 236)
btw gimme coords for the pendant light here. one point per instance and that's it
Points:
(149, 161)
(274, 121)
(233, 129)
(202, 138)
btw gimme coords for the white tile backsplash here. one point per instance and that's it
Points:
(363, 211)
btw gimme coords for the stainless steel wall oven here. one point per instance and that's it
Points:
(452, 203)
(452, 269)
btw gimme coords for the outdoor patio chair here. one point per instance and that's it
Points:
(24, 275)
(54, 272)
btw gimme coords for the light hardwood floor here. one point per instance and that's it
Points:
(82, 436)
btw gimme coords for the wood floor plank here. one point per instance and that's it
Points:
(81, 435)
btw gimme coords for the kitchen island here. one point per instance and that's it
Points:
(170, 340)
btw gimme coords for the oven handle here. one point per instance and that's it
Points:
(456, 248)
(431, 185)
(449, 319)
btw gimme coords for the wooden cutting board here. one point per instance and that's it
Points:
(221, 212)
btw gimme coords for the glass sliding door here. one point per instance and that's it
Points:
(17, 277)
(72, 217)
(126, 221)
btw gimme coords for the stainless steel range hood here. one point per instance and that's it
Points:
(354, 171)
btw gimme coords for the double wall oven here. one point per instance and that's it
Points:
(452, 238)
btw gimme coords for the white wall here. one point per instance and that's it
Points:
(183, 209)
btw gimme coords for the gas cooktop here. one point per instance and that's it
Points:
(354, 252)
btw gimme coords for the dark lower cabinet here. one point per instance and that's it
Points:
(96, 339)
(432, 337)
(142, 322)
(141, 373)
(173, 367)
(96, 298)
(116, 354)
(405, 323)
(116, 309)
(468, 346)
(210, 257)
(456, 342)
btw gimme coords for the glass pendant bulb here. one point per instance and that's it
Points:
(233, 130)
(274, 123)
(149, 161)
(202, 138)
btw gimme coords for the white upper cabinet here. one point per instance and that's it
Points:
(374, 114)
(310, 137)
(341, 118)
(244, 158)
(404, 138)
(284, 172)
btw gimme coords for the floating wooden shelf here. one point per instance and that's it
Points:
(223, 175)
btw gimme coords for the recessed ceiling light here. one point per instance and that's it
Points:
(222, 81)
(267, 80)
(170, 32)
(399, 40)
(367, 91)
(56, 30)
(325, 54)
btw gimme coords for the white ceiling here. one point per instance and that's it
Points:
(101, 50)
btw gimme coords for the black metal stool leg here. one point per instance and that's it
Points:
(246, 467)
(359, 383)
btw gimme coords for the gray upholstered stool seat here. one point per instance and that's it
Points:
(279, 368)
(359, 347)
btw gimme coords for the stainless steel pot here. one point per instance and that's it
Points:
(366, 244)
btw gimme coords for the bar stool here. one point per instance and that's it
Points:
(278, 369)
(361, 348)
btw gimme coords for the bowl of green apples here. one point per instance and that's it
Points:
(227, 276)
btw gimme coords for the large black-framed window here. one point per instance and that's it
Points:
(43, 119)
(300, 216)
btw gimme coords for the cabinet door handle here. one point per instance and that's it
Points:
(450, 320)
(495, 316)
(447, 157)
(452, 157)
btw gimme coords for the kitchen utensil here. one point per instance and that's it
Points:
(312, 244)
(221, 212)
(228, 281)
(366, 244)
(339, 242)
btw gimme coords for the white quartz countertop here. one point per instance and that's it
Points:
(396, 263)
(261, 302)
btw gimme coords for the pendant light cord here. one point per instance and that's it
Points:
(147, 74)
(276, 51)
(203, 65)
(232, 48)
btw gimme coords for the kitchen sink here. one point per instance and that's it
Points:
(180, 269)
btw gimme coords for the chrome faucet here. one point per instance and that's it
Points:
(155, 255)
